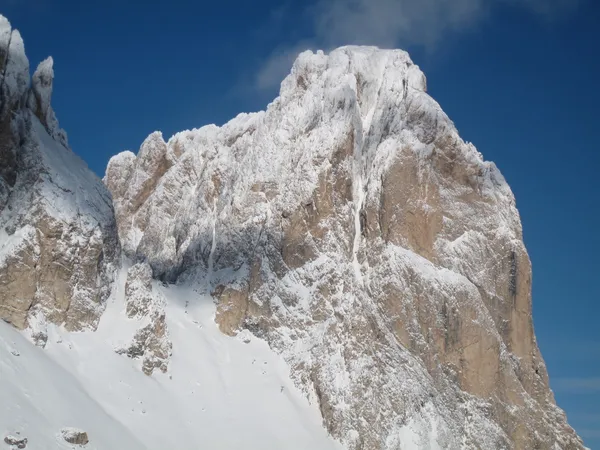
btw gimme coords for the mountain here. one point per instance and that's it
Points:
(59, 247)
(342, 263)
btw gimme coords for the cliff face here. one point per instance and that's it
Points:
(352, 228)
(58, 238)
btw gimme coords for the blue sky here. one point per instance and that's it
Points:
(518, 77)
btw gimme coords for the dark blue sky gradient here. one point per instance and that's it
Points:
(523, 89)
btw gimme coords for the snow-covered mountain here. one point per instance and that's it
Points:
(338, 271)
(58, 242)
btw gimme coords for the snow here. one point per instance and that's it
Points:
(220, 392)
(360, 196)
(70, 190)
(419, 433)
(213, 244)
(39, 397)
(10, 244)
(42, 82)
(16, 73)
(40, 97)
(5, 31)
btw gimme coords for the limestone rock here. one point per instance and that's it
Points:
(39, 100)
(59, 245)
(151, 341)
(75, 436)
(134, 179)
(351, 227)
(139, 298)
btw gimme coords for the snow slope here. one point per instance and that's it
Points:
(39, 397)
(220, 392)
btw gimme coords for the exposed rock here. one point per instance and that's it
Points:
(16, 441)
(352, 228)
(134, 179)
(232, 308)
(75, 436)
(60, 247)
(40, 96)
(151, 342)
(139, 298)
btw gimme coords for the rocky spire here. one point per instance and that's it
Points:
(14, 68)
(14, 81)
(40, 98)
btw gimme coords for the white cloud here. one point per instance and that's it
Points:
(278, 65)
(391, 23)
(385, 22)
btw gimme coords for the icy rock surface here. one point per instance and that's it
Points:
(352, 228)
(151, 341)
(58, 240)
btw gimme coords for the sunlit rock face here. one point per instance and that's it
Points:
(58, 236)
(351, 227)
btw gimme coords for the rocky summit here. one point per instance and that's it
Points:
(348, 226)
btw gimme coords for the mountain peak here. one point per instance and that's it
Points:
(14, 67)
(351, 227)
(345, 248)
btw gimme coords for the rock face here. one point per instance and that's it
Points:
(59, 243)
(151, 342)
(352, 228)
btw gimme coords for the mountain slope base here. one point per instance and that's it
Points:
(220, 392)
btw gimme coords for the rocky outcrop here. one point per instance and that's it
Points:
(59, 243)
(352, 228)
(133, 180)
(16, 441)
(151, 342)
(74, 436)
